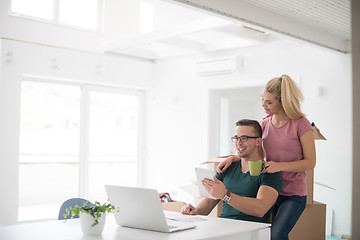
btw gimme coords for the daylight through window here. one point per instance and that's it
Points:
(73, 141)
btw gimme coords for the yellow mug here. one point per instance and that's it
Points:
(255, 167)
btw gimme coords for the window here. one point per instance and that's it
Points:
(49, 154)
(146, 17)
(113, 137)
(30, 8)
(80, 13)
(85, 14)
(73, 140)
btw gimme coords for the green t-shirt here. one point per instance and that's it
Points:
(245, 185)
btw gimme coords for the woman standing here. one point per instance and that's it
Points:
(289, 148)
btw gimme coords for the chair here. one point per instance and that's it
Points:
(71, 202)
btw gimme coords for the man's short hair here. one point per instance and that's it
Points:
(253, 123)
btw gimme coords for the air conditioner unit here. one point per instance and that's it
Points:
(219, 66)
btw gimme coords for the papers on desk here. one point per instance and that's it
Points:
(185, 218)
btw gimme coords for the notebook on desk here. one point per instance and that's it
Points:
(141, 208)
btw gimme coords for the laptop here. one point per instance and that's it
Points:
(141, 208)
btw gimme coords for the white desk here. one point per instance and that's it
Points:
(212, 228)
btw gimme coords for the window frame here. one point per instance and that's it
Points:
(84, 131)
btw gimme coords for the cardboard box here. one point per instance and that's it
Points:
(215, 162)
(316, 132)
(310, 186)
(173, 206)
(311, 224)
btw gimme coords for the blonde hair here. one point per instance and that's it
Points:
(285, 89)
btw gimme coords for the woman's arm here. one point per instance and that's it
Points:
(308, 146)
(226, 163)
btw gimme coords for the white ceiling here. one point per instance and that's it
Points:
(197, 36)
(323, 22)
(328, 21)
(332, 16)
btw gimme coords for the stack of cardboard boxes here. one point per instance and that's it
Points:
(312, 222)
(173, 206)
(311, 225)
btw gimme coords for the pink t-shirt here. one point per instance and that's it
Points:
(283, 145)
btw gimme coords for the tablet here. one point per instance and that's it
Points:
(202, 173)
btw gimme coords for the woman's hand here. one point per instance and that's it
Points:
(272, 167)
(226, 163)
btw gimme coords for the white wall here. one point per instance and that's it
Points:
(332, 113)
(21, 60)
(179, 110)
(177, 125)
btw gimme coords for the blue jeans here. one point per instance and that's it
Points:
(287, 210)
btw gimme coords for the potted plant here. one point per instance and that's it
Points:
(92, 217)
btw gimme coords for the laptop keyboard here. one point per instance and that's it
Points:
(172, 226)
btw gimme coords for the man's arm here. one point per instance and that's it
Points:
(203, 208)
(258, 207)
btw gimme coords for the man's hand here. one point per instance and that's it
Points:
(189, 210)
(215, 188)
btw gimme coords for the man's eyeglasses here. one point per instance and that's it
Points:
(242, 138)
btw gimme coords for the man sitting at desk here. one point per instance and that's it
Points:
(245, 197)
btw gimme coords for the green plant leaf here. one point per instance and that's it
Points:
(95, 210)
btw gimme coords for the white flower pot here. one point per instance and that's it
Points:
(87, 220)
